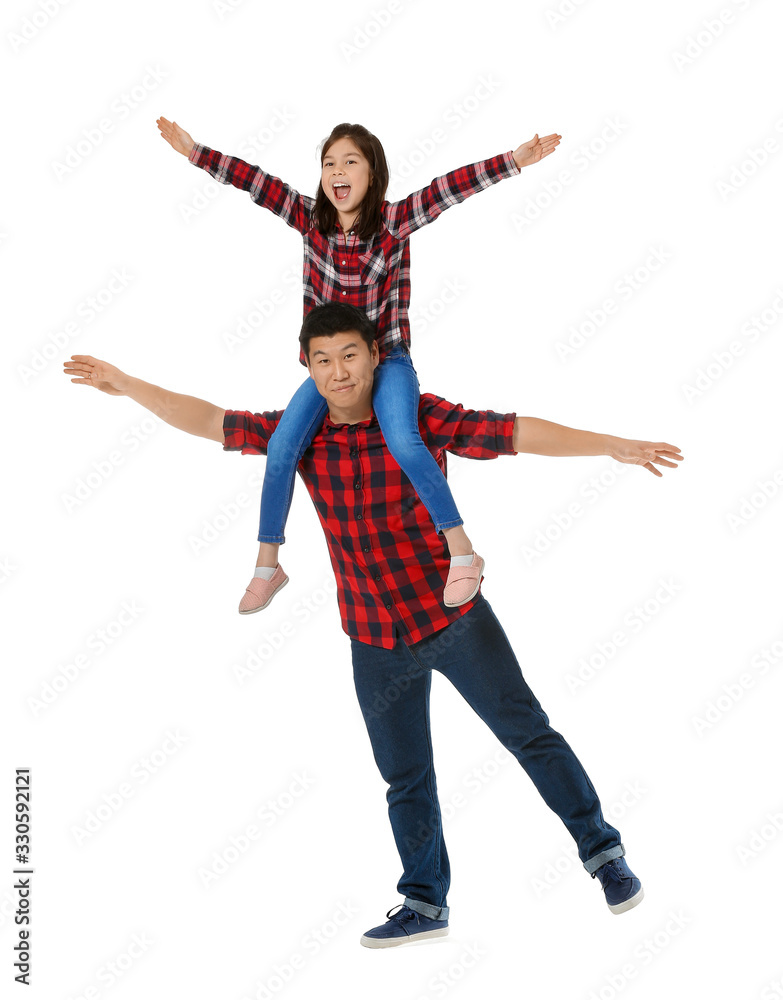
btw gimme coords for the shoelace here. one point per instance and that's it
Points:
(405, 913)
(610, 871)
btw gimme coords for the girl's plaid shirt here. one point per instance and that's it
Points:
(389, 562)
(373, 274)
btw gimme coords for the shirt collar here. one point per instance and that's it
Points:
(331, 425)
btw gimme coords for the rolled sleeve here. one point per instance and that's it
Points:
(249, 432)
(481, 434)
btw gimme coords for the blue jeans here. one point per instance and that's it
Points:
(393, 687)
(395, 401)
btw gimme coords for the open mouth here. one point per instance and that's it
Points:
(341, 190)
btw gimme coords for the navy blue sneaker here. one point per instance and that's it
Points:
(405, 926)
(622, 888)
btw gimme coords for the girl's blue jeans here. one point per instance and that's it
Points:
(395, 402)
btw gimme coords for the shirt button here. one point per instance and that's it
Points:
(388, 607)
(377, 578)
(366, 548)
(356, 486)
(343, 262)
(345, 293)
(358, 517)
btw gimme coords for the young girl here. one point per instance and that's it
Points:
(356, 250)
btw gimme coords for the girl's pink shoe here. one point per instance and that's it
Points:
(260, 592)
(463, 583)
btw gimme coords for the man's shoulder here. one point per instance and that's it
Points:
(430, 401)
(435, 409)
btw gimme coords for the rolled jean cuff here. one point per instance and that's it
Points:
(427, 909)
(600, 859)
(272, 539)
(449, 524)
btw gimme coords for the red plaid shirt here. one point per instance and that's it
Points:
(389, 561)
(372, 274)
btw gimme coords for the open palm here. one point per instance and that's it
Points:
(175, 136)
(536, 149)
(99, 374)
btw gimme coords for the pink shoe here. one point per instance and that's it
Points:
(463, 582)
(260, 592)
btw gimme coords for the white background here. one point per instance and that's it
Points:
(658, 109)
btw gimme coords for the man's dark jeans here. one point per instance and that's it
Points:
(393, 687)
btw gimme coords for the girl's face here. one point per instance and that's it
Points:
(345, 176)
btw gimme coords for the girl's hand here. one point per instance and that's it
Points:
(536, 149)
(99, 374)
(175, 136)
(644, 453)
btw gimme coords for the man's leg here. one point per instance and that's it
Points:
(394, 696)
(475, 655)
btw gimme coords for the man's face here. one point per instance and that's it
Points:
(342, 368)
(345, 175)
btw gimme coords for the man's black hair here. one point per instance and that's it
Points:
(333, 318)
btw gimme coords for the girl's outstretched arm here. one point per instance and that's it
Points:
(265, 190)
(424, 206)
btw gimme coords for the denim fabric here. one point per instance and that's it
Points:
(393, 688)
(395, 402)
(298, 424)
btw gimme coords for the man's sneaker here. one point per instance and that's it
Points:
(622, 888)
(405, 926)
(463, 582)
(260, 592)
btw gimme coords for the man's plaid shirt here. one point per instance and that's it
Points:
(389, 561)
(372, 274)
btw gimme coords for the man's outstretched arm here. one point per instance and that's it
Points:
(187, 413)
(542, 437)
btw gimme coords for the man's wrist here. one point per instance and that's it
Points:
(609, 443)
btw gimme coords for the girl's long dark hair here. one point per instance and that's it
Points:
(368, 222)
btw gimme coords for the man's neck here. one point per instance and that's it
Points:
(350, 415)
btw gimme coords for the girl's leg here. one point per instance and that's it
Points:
(301, 419)
(396, 405)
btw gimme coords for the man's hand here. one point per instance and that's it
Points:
(98, 374)
(175, 136)
(535, 149)
(644, 453)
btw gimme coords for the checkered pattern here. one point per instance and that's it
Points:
(372, 274)
(389, 561)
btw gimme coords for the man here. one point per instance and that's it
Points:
(390, 565)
